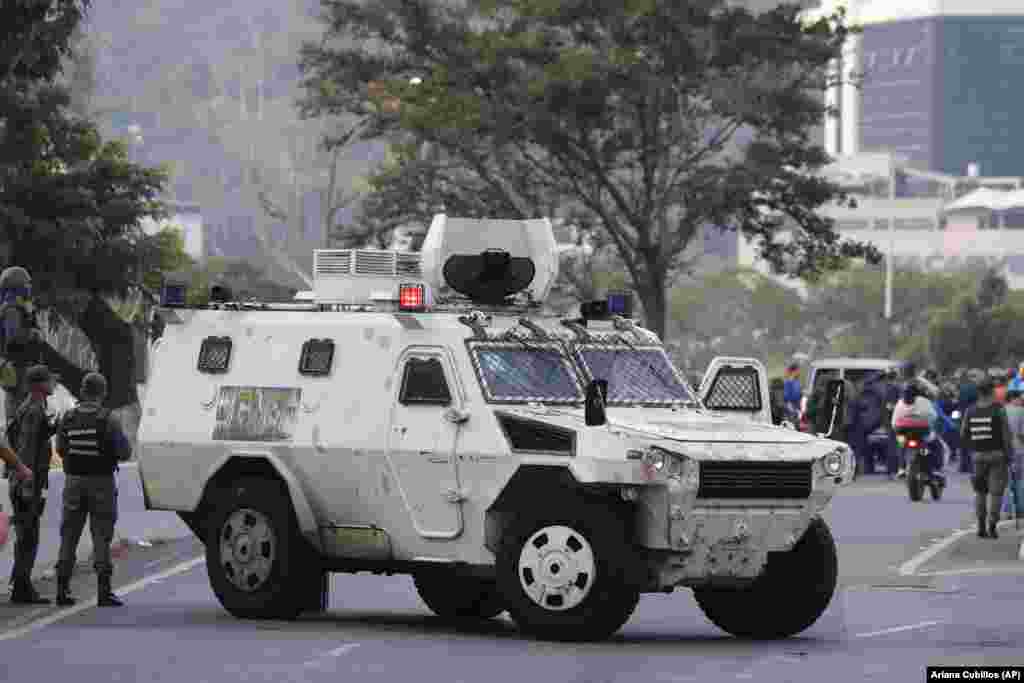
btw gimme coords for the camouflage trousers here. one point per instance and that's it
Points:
(991, 473)
(94, 497)
(26, 513)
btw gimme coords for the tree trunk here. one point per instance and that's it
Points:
(114, 345)
(654, 296)
(70, 374)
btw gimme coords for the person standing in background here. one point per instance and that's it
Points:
(985, 431)
(792, 392)
(1015, 421)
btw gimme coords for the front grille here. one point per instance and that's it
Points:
(745, 479)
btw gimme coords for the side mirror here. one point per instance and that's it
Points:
(835, 403)
(597, 395)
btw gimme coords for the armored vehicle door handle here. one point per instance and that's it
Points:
(456, 415)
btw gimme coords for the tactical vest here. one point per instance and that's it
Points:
(985, 428)
(86, 450)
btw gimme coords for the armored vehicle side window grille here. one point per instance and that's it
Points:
(510, 373)
(734, 389)
(215, 354)
(423, 383)
(317, 357)
(635, 375)
(532, 437)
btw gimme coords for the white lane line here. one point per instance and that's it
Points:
(89, 604)
(897, 629)
(911, 566)
(976, 570)
(321, 661)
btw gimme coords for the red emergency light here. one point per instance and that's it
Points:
(411, 298)
(912, 443)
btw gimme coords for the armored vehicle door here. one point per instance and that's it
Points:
(425, 425)
(737, 386)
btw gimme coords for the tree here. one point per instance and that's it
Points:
(70, 204)
(631, 112)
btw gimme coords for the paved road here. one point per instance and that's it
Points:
(134, 522)
(881, 625)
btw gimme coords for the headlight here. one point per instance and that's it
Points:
(956, 415)
(833, 463)
(654, 458)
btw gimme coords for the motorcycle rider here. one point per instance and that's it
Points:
(914, 404)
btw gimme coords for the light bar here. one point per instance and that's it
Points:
(411, 298)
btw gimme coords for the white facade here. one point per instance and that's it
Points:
(937, 233)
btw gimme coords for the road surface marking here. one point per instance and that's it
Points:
(897, 629)
(911, 566)
(320, 661)
(89, 604)
(976, 570)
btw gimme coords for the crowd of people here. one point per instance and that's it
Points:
(952, 406)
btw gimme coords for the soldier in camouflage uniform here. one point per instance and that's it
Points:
(91, 442)
(35, 428)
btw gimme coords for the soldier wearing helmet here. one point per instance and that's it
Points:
(91, 443)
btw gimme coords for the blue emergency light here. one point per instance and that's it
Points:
(173, 292)
(616, 303)
(620, 303)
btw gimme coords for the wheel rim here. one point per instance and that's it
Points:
(556, 568)
(247, 549)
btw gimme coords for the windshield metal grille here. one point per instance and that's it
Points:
(513, 373)
(636, 375)
(734, 389)
(745, 479)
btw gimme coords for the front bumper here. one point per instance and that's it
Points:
(692, 540)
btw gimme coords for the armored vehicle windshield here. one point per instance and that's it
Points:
(511, 372)
(636, 375)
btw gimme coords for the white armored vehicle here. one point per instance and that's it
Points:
(422, 416)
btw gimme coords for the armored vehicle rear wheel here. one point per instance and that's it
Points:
(563, 574)
(792, 592)
(256, 560)
(459, 597)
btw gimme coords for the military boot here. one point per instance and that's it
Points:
(64, 597)
(105, 596)
(24, 593)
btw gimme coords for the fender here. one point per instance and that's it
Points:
(303, 511)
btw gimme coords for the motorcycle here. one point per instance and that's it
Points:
(911, 435)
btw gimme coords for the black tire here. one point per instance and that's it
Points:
(914, 486)
(281, 585)
(936, 490)
(794, 590)
(455, 597)
(608, 597)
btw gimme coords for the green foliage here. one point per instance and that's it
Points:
(618, 117)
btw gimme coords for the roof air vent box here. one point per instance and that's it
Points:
(490, 260)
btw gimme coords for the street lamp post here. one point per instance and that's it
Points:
(889, 266)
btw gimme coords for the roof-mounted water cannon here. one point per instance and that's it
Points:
(490, 261)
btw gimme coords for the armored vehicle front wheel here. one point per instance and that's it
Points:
(563, 574)
(792, 592)
(459, 597)
(255, 558)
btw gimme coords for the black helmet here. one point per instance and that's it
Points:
(15, 276)
(94, 385)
